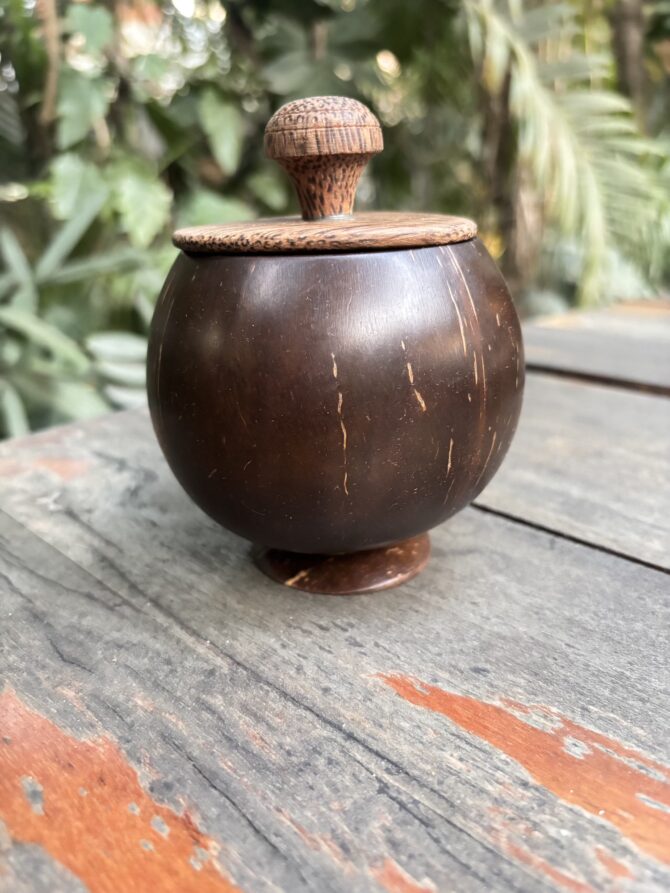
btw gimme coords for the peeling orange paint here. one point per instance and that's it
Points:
(614, 867)
(65, 468)
(83, 804)
(616, 783)
(504, 829)
(316, 842)
(541, 866)
(396, 880)
(572, 729)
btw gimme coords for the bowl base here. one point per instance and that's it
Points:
(350, 574)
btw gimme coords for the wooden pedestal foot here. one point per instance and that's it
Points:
(357, 572)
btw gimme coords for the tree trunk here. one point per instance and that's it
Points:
(627, 23)
(517, 211)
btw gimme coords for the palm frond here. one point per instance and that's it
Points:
(588, 160)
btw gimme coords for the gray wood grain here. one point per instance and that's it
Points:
(263, 709)
(592, 462)
(628, 344)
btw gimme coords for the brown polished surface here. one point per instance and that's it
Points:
(334, 403)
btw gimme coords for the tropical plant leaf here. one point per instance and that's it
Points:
(131, 375)
(543, 22)
(223, 123)
(142, 200)
(94, 23)
(11, 128)
(25, 292)
(64, 398)
(119, 261)
(269, 187)
(41, 334)
(69, 235)
(72, 181)
(580, 67)
(117, 347)
(579, 169)
(204, 207)
(7, 283)
(125, 398)
(13, 416)
(81, 102)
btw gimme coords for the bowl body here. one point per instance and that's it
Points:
(335, 402)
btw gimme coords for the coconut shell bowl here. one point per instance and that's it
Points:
(331, 387)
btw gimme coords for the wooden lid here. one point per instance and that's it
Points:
(360, 232)
(324, 143)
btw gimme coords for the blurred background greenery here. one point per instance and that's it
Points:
(121, 119)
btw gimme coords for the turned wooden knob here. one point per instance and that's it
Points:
(324, 143)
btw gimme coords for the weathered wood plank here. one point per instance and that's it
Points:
(531, 754)
(591, 462)
(628, 344)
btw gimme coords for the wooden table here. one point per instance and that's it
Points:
(173, 721)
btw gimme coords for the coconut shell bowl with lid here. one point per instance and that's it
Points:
(331, 387)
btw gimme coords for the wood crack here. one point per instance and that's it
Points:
(622, 384)
(384, 788)
(560, 534)
(206, 777)
(108, 606)
(45, 627)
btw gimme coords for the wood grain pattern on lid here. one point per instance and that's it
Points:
(374, 230)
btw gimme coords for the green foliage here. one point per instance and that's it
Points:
(582, 144)
(46, 374)
(203, 207)
(120, 122)
(73, 179)
(93, 24)
(141, 199)
(82, 102)
(119, 359)
(223, 123)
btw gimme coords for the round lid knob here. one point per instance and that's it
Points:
(324, 143)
